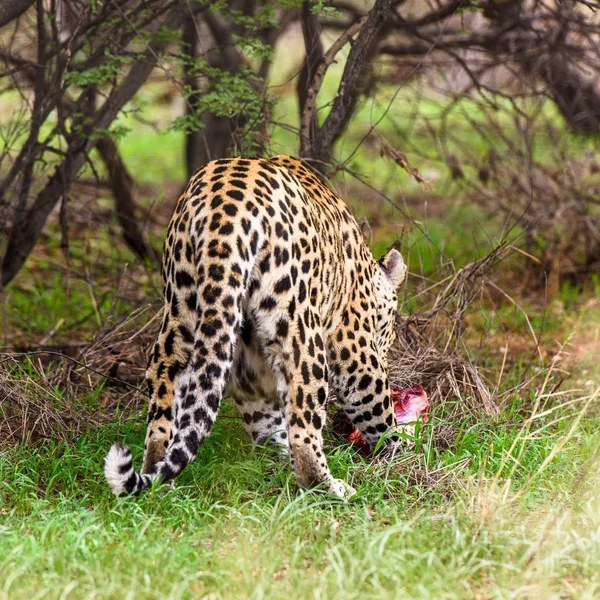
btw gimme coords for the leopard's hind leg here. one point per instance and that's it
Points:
(265, 421)
(170, 355)
(172, 350)
(254, 389)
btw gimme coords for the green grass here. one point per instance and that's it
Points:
(74, 298)
(500, 514)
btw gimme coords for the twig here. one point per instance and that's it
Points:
(12, 356)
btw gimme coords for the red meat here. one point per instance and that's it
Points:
(410, 405)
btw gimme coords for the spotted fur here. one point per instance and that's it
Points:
(272, 297)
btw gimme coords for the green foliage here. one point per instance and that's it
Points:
(106, 72)
(264, 16)
(228, 94)
(469, 6)
(233, 94)
(322, 8)
(95, 4)
(253, 47)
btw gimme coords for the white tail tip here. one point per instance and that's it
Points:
(118, 467)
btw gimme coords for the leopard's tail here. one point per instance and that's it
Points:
(220, 287)
(120, 474)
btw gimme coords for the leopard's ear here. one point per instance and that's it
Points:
(393, 266)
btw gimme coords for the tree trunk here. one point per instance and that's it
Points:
(194, 139)
(311, 29)
(122, 184)
(577, 100)
(362, 51)
(12, 9)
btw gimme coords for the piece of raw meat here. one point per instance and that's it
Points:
(410, 405)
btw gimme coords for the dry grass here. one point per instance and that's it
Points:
(429, 350)
(118, 354)
(50, 395)
(32, 408)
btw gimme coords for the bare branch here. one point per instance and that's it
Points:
(361, 53)
(307, 115)
(314, 60)
(439, 15)
(122, 184)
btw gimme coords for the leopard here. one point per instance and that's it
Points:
(273, 298)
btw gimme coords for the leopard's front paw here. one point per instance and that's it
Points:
(341, 489)
(389, 449)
